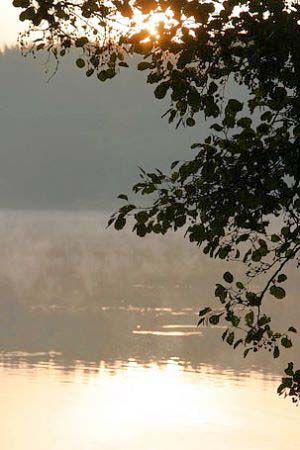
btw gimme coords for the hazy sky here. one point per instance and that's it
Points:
(9, 23)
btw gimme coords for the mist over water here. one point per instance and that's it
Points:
(69, 283)
(56, 260)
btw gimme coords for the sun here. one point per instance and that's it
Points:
(151, 22)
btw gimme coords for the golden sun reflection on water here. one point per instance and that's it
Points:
(142, 407)
(167, 333)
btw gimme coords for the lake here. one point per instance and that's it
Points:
(99, 347)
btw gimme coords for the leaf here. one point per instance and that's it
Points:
(244, 122)
(253, 299)
(221, 292)
(120, 223)
(213, 87)
(286, 342)
(234, 106)
(246, 256)
(256, 256)
(27, 14)
(297, 204)
(144, 65)
(180, 221)
(285, 231)
(214, 320)
(266, 116)
(224, 334)
(80, 63)
(111, 220)
(238, 342)
(110, 73)
(216, 127)
(190, 122)
(174, 164)
(141, 230)
(80, 42)
(276, 352)
(281, 388)
(141, 217)
(102, 76)
(200, 321)
(89, 72)
(230, 338)
(243, 237)
(126, 209)
(281, 278)
(223, 252)
(21, 3)
(228, 277)
(275, 238)
(204, 311)
(297, 376)
(157, 228)
(239, 285)
(161, 90)
(123, 197)
(277, 292)
(287, 382)
(290, 369)
(249, 318)
(246, 352)
(235, 320)
(263, 320)
(292, 330)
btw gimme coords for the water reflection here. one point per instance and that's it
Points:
(167, 333)
(118, 334)
(166, 405)
(57, 365)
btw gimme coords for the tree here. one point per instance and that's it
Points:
(242, 176)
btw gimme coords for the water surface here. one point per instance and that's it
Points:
(99, 348)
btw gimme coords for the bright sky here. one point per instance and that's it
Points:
(9, 24)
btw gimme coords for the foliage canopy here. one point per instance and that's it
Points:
(241, 176)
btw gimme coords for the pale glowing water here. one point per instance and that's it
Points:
(99, 348)
(129, 405)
